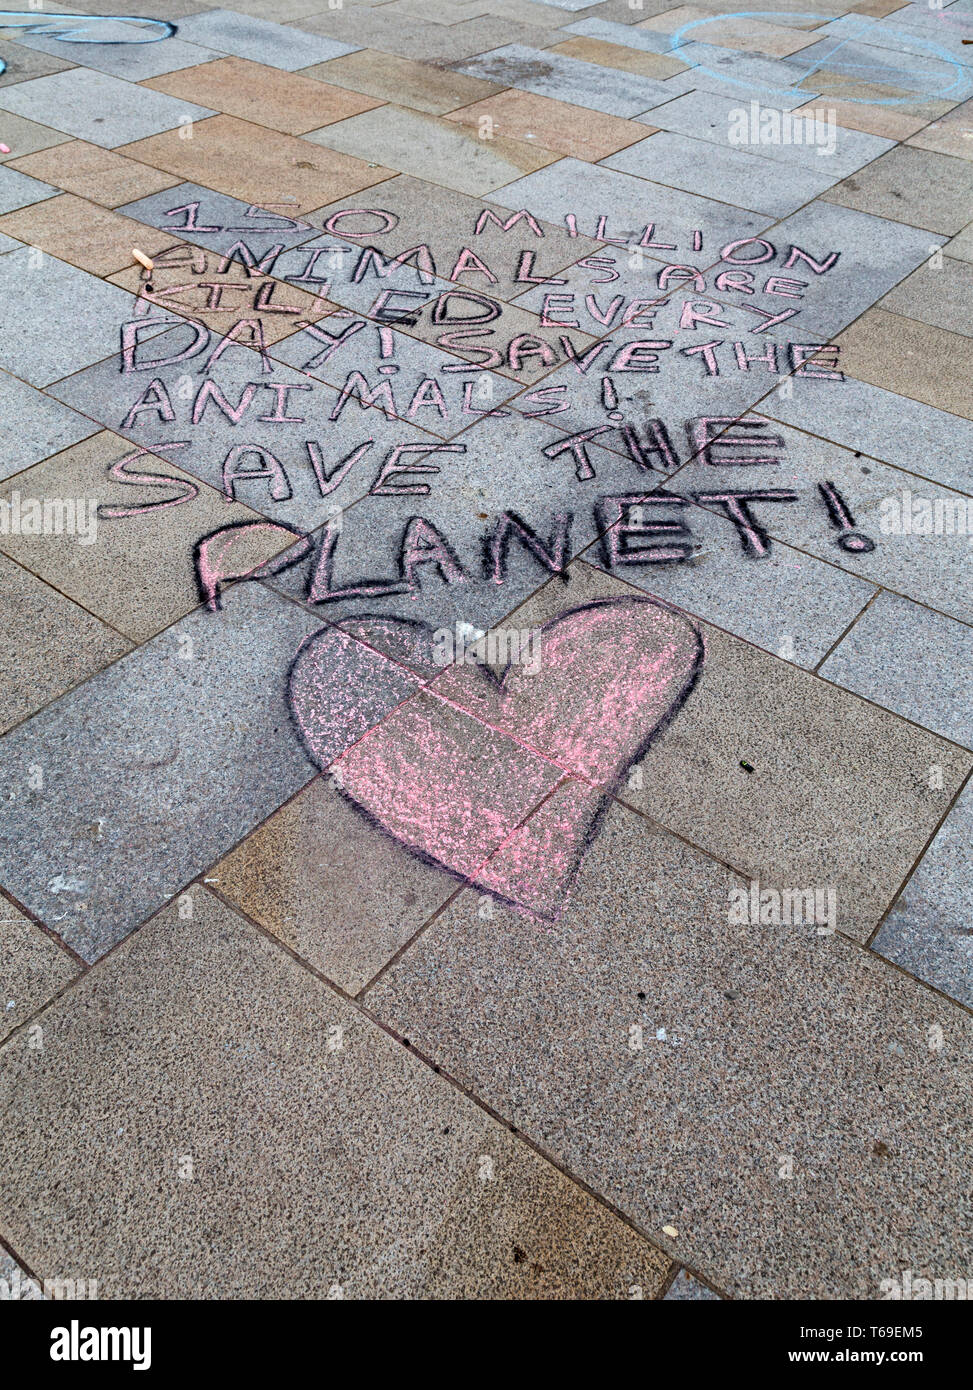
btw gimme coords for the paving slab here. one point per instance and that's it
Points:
(33, 968)
(927, 930)
(404, 81)
(914, 186)
(35, 341)
(952, 135)
(217, 222)
(132, 61)
(289, 102)
(550, 74)
(940, 294)
(138, 574)
(346, 910)
(887, 122)
(82, 233)
(911, 359)
(274, 45)
(256, 165)
(431, 43)
(685, 1288)
(646, 991)
(544, 121)
(24, 64)
(100, 109)
(911, 660)
(44, 426)
(428, 147)
(962, 244)
(94, 851)
(619, 58)
(17, 190)
(728, 175)
(99, 175)
(296, 1082)
(58, 644)
(23, 137)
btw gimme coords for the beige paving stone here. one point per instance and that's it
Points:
(733, 31)
(57, 644)
(33, 968)
(938, 293)
(953, 134)
(433, 149)
(961, 245)
(334, 889)
(613, 55)
(102, 176)
(325, 1158)
(139, 574)
(84, 234)
(553, 124)
(887, 121)
(848, 86)
(934, 191)
(198, 284)
(912, 359)
(24, 137)
(404, 81)
(820, 757)
(290, 102)
(259, 166)
(684, 1065)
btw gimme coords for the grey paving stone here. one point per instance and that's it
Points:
(685, 1288)
(276, 45)
(23, 64)
(712, 116)
(939, 294)
(918, 187)
(874, 254)
(629, 203)
(132, 61)
(430, 42)
(57, 644)
(732, 70)
(628, 35)
(223, 1050)
(19, 190)
(96, 849)
(929, 567)
(567, 79)
(57, 318)
(231, 220)
(729, 175)
(910, 660)
(93, 106)
(24, 137)
(884, 426)
(285, 486)
(771, 90)
(33, 968)
(903, 61)
(928, 929)
(43, 426)
(657, 1020)
(8, 243)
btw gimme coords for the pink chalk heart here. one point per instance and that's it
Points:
(501, 778)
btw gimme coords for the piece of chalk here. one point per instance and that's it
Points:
(4, 149)
(142, 258)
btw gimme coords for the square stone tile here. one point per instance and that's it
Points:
(19, 191)
(915, 186)
(620, 58)
(738, 176)
(403, 81)
(275, 45)
(819, 756)
(285, 1112)
(927, 931)
(23, 64)
(57, 318)
(567, 79)
(33, 968)
(139, 572)
(131, 61)
(23, 137)
(643, 991)
(433, 149)
(44, 426)
(937, 294)
(95, 107)
(910, 358)
(258, 165)
(83, 234)
(95, 850)
(911, 660)
(98, 175)
(893, 428)
(57, 644)
(552, 124)
(267, 96)
(348, 910)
